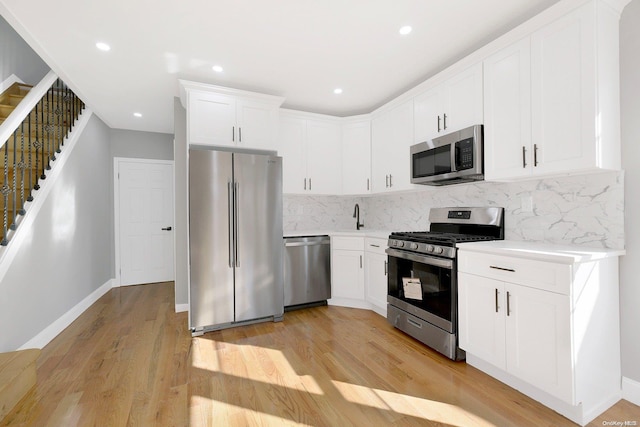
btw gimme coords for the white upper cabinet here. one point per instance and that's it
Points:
(552, 99)
(391, 137)
(356, 157)
(449, 106)
(219, 116)
(507, 107)
(311, 154)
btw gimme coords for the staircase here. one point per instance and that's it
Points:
(27, 152)
(17, 377)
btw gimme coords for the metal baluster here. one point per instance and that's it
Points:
(14, 180)
(59, 117)
(22, 166)
(49, 130)
(6, 190)
(38, 145)
(29, 162)
(52, 130)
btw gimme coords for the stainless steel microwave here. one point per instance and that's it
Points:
(449, 159)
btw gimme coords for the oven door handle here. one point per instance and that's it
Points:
(438, 262)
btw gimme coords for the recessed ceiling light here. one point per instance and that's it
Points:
(137, 114)
(337, 91)
(103, 46)
(217, 68)
(405, 30)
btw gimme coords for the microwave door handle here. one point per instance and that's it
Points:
(454, 148)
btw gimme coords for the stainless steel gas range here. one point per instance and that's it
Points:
(422, 277)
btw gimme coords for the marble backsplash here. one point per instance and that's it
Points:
(583, 210)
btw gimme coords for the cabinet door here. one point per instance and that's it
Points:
(212, 119)
(539, 340)
(294, 156)
(376, 279)
(256, 125)
(563, 88)
(464, 100)
(481, 318)
(391, 137)
(347, 274)
(428, 114)
(324, 157)
(507, 112)
(356, 158)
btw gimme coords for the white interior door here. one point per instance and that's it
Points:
(144, 221)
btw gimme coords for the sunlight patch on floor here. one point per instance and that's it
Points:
(409, 405)
(269, 365)
(207, 412)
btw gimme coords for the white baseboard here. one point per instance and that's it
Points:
(631, 390)
(51, 331)
(182, 307)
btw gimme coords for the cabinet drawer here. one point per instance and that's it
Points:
(347, 243)
(375, 245)
(543, 275)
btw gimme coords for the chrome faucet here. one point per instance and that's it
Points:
(356, 215)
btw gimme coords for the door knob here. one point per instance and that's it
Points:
(166, 229)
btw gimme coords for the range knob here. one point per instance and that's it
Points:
(413, 246)
(401, 244)
(429, 248)
(438, 250)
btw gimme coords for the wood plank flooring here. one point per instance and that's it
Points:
(130, 361)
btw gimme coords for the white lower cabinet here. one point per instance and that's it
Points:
(347, 268)
(522, 330)
(375, 275)
(547, 327)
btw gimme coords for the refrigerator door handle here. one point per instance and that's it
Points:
(236, 192)
(230, 228)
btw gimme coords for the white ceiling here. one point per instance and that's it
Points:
(299, 49)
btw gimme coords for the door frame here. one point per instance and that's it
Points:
(116, 209)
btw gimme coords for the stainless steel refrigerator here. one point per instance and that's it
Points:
(235, 239)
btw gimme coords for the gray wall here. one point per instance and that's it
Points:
(141, 145)
(16, 57)
(630, 113)
(67, 254)
(180, 171)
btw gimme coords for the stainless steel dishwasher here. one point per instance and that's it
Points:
(307, 271)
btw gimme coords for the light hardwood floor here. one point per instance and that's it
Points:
(129, 360)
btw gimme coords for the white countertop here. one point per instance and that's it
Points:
(381, 234)
(566, 254)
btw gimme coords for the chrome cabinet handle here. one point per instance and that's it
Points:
(386, 181)
(309, 184)
(360, 261)
(508, 305)
(496, 300)
(385, 268)
(524, 157)
(166, 228)
(367, 184)
(239, 134)
(438, 123)
(390, 180)
(502, 268)
(535, 154)
(375, 246)
(444, 121)
(305, 183)
(233, 133)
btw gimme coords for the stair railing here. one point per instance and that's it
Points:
(32, 135)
